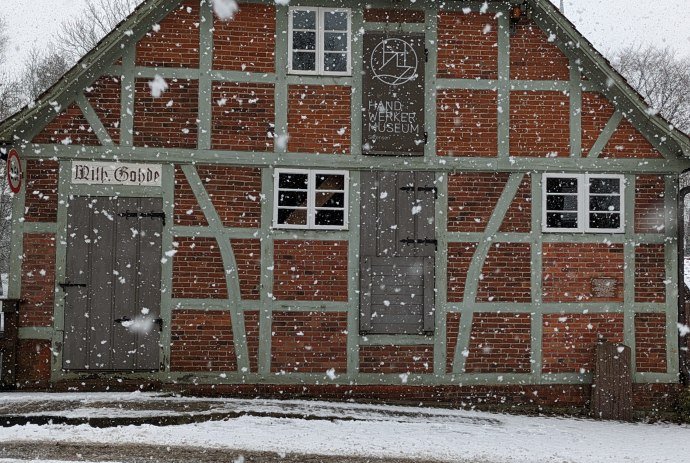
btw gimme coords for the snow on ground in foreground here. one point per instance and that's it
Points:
(460, 436)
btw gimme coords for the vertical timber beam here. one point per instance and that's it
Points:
(575, 108)
(267, 271)
(281, 89)
(17, 241)
(356, 97)
(671, 280)
(353, 277)
(431, 46)
(127, 97)
(537, 279)
(167, 264)
(205, 80)
(440, 332)
(629, 270)
(503, 96)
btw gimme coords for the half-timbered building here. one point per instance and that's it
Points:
(420, 200)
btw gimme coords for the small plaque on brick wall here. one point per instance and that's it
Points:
(604, 287)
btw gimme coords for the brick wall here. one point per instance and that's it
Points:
(41, 201)
(202, 341)
(247, 42)
(38, 280)
(534, 57)
(649, 203)
(396, 359)
(650, 342)
(169, 121)
(569, 268)
(310, 270)
(393, 16)
(507, 274)
(309, 342)
(459, 259)
(467, 46)
(251, 327)
(187, 211)
(243, 116)
(472, 198)
(569, 341)
(248, 257)
(235, 193)
(33, 363)
(319, 119)
(518, 218)
(198, 270)
(466, 123)
(453, 320)
(596, 112)
(627, 142)
(104, 96)
(499, 343)
(176, 43)
(539, 124)
(650, 273)
(70, 127)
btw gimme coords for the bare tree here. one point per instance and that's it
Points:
(82, 33)
(662, 78)
(42, 70)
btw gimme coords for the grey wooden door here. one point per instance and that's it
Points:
(113, 284)
(397, 250)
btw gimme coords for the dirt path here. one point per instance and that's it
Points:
(151, 454)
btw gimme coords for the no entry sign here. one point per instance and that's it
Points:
(14, 171)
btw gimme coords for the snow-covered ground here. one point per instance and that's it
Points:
(375, 431)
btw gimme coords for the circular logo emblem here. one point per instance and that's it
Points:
(14, 171)
(394, 62)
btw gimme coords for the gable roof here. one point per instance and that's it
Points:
(129, 31)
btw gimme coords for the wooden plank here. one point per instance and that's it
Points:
(365, 321)
(429, 308)
(149, 283)
(368, 214)
(425, 220)
(76, 321)
(612, 383)
(406, 204)
(387, 232)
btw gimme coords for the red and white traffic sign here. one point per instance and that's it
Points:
(14, 171)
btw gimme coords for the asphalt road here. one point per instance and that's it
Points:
(146, 454)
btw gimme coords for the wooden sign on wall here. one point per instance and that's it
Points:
(116, 173)
(393, 98)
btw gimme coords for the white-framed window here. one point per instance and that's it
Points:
(590, 203)
(319, 41)
(311, 199)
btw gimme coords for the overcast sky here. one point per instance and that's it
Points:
(609, 24)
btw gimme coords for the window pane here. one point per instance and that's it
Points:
(599, 220)
(292, 216)
(335, 41)
(561, 203)
(304, 40)
(330, 200)
(332, 218)
(335, 21)
(605, 203)
(330, 182)
(292, 198)
(304, 20)
(335, 62)
(604, 185)
(561, 220)
(293, 181)
(561, 185)
(304, 61)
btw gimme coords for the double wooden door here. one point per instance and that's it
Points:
(112, 286)
(398, 249)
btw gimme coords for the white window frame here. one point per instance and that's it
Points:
(583, 210)
(311, 199)
(320, 31)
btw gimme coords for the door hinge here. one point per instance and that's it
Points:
(428, 189)
(426, 138)
(141, 215)
(407, 188)
(418, 241)
(426, 55)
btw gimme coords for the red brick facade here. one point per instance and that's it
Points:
(300, 322)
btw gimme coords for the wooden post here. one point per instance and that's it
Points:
(612, 386)
(8, 344)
